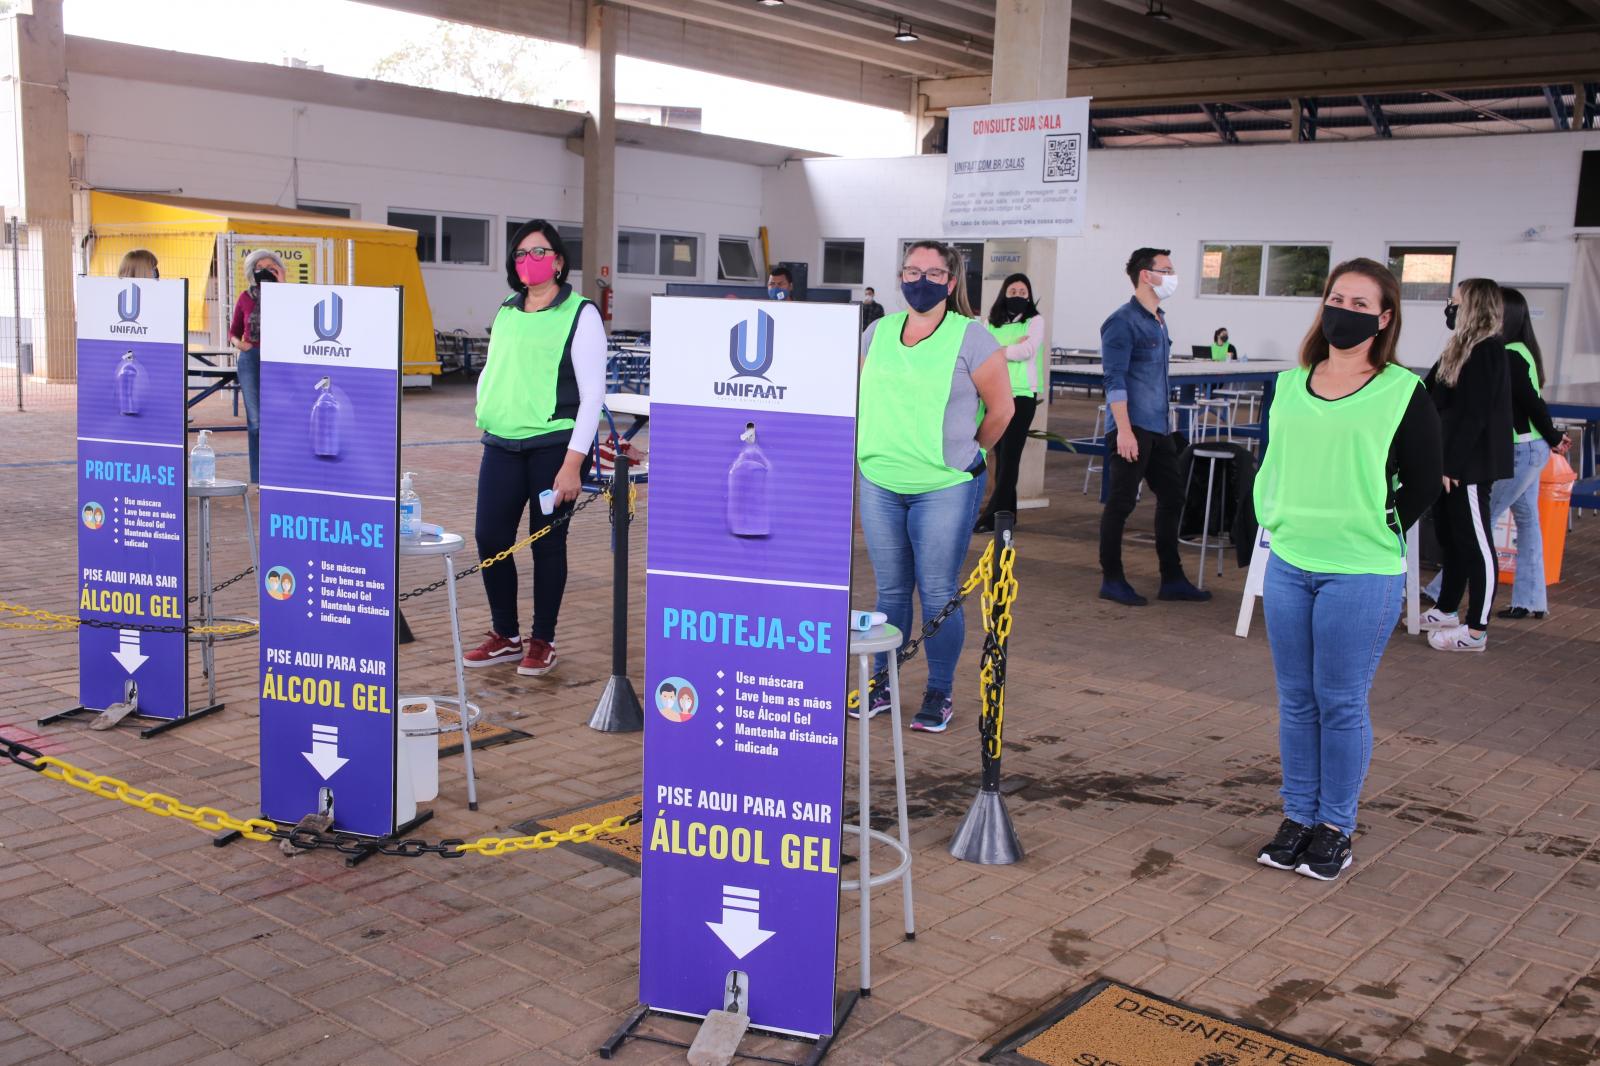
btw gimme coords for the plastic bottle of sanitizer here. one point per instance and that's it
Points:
(127, 380)
(203, 461)
(749, 513)
(410, 508)
(325, 421)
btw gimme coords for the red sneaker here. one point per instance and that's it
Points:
(494, 650)
(538, 660)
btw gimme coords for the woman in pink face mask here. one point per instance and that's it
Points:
(539, 399)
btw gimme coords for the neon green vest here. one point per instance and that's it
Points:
(1324, 491)
(1219, 351)
(904, 393)
(1525, 431)
(528, 387)
(1021, 372)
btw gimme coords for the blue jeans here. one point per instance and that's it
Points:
(921, 540)
(250, 389)
(1327, 633)
(1519, 494)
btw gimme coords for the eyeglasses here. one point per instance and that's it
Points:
(1169, 270)
(532, 253)
(936, 275)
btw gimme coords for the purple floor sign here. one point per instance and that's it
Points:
(330, 431)
(131, 514)
(752, 449)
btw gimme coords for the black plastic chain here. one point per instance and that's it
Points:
(473, 569)
(910, 648)
(21, 754)
(235, 579)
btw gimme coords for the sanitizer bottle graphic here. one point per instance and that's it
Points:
(127, 379)
(325, 421)
(749, 513)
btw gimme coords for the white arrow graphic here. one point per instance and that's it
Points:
(128, 653)
(324, 754)
(740, 928)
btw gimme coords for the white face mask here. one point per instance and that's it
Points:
(1167, 288)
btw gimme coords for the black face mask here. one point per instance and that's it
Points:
(1017, 306)
(1450, 315)
(264, 276)
(1345, 329)
(1222, 339)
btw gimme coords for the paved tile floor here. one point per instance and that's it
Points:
(1141, 772)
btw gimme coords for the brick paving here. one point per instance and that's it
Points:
(1140, 769)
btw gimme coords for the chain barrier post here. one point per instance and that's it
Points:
(619, 710)
(986, 835)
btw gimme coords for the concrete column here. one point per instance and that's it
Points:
(39, 82)
(600, 150)
(1030, 63)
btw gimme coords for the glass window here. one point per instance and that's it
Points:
(636, 252)
(1230, 270)
(842, 262)
(736, 259)
(1296, 269)
(333, 210)
(427, 227)
(464, 240)
(680, 256)
(1425, 272)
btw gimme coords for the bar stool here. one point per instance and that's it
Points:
(1236, 397)
(219, 488)
(885, 639)
(1100, 436)
(1216, 416)
(1213, 456)
(1184, 417)
(435, 541)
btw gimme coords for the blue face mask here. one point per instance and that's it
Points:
(775, 293)
(922, 294)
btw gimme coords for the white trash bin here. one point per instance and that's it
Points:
(419, 747)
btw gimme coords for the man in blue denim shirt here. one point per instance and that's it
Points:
(1134, 349)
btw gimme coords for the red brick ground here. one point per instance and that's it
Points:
(1141, 752)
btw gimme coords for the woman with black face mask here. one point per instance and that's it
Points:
(245, 334)
(1016, 323)
(1353, 461)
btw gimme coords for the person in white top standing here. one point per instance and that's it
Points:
(1017, 324)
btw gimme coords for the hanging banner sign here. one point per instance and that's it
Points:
(132, 477)
(1017, 170)
(752, 440)
(330, 433)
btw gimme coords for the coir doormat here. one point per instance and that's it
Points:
(1109, 1024)
(484, 735)
(622, 849)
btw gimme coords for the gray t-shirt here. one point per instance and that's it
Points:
(961, 413)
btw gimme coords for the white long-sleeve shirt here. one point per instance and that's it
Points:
(1025, 349)
(589, 349)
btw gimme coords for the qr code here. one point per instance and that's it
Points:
(1062, 152)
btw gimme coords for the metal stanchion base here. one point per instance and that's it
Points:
(820, 1046)
(619, 709)
(986, 836)
(162, 724)
(406, 636)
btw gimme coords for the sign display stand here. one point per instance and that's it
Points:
(747, 661)
(131, 513)
(330, 439)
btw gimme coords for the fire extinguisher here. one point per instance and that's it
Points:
(605, 299)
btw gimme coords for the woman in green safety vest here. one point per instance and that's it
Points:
(1017, 324)
(1353, 461)
(1220, 348)
(1535, 438)
(539, 399)
(934, 393)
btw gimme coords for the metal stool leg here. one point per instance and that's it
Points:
(864, 668)
(900, 787)
(207, 604)
(250, 531)
(1099, 434)
(461, 683)
(1205, 525)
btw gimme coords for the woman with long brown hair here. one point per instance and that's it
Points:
(1471, 388)
(1352, 462)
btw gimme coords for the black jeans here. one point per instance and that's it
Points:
(508, 482)
(1157, 465)
(1466, 540)
(1008, 459)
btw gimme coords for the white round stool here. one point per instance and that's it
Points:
(434, 541)
(218, 488)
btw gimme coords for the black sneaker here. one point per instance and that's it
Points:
(934, 717)
(878, 704)
(1285, 850)
(1328, 855)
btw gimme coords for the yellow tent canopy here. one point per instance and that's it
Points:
(188, 236)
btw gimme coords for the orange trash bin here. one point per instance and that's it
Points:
(1555, 499)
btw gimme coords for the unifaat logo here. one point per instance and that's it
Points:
(751, 357)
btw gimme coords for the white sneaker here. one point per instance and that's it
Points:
(1433, 618)
(1458, 639)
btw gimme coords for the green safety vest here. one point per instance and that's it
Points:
(1324, 491)
(1526, 431)
(904, 393)
(528, 387)
(1219, 351)
(1021, 372)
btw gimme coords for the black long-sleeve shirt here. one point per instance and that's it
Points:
(1528, 412)
(1475, 415)
(1415, 460)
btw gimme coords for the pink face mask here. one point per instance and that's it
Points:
(536, 271)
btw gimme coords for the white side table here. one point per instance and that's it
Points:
(445, 544)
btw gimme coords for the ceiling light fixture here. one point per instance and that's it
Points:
(1157, 9)
(903, 34)
(770, 3)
